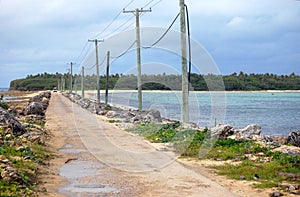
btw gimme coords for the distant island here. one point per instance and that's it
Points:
(232, 82)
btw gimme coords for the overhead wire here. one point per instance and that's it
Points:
(189, 44)
(85, 45)
(114, 19)
(85, 55)
(118, 28)
(126, 51)
(164, 34)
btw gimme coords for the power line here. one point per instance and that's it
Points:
(85, 45)
(148, 3)
(102, 62)
(90, 68)
(122, 54)
(114, 19)
(156, 4)
(189, 43)
(164, 34)
(85, 54)
(119, 27)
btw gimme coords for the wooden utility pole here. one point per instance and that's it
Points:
(107, 77)
(82, 82)
(137, 12)
(97, 70)
(185, 82)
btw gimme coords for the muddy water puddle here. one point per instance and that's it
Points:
(77, 173)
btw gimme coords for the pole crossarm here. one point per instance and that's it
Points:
(134, 11)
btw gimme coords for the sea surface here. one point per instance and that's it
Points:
(277, 112)
(3, 89)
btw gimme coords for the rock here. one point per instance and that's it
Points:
(38, 118)
(34, 108)
(275, 194)
(10, 174)
(9, 121)
(111, 114)
(242, 177)
(189, 125)
(4, 160)
(290, 150)
(294, 138)
(154, 115)
(45, 103)
(222, 131)
(249, 132)
(33, 137)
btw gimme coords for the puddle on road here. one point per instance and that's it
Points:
(77, 170)
(72, 150)
(91, 189)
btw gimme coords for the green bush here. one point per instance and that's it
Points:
(4, 105)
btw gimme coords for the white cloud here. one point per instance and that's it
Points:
(236, 21)
(56, 30)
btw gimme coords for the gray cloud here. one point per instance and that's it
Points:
(253, 36)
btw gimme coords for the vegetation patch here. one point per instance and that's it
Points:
(248, 159)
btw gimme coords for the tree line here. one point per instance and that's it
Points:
(198, 82)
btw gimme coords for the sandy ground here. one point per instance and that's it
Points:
(95, 158)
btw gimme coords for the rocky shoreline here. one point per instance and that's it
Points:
(287, 146)
(22, 140)
(126, 118)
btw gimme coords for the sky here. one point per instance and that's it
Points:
(252, 36)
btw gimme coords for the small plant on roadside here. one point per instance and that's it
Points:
(4, 105)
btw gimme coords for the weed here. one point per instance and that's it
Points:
(114, 121)
(39, 123)
(4, 105)
(107, 107)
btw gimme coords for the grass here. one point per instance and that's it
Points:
(26, 160)
(3, 105)
(38, 123)
(252, 161)
(114, 121)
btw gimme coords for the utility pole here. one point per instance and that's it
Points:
(62, 83)
(97, 70)
(82, 82)
(185, 83)
(107, 77)
(71, 76)
(137, 12)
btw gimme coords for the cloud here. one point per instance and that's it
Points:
(50, 33)
(236, 21)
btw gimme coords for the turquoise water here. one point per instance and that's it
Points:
(277, 112)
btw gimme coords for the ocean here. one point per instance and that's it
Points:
(3, 89)
(277, 112)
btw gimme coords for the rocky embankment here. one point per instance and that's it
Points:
(22, 138)
(127, 117)
(120, 115)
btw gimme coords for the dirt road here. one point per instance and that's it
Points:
(97, 159)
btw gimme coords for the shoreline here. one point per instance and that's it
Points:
(167, 91)
(116, 117)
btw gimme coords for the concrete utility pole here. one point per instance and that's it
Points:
(137, 12)
(82, 82)
(62, 83)
(97, 70)
(185, 82)
(71, 77)
(107, 77)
